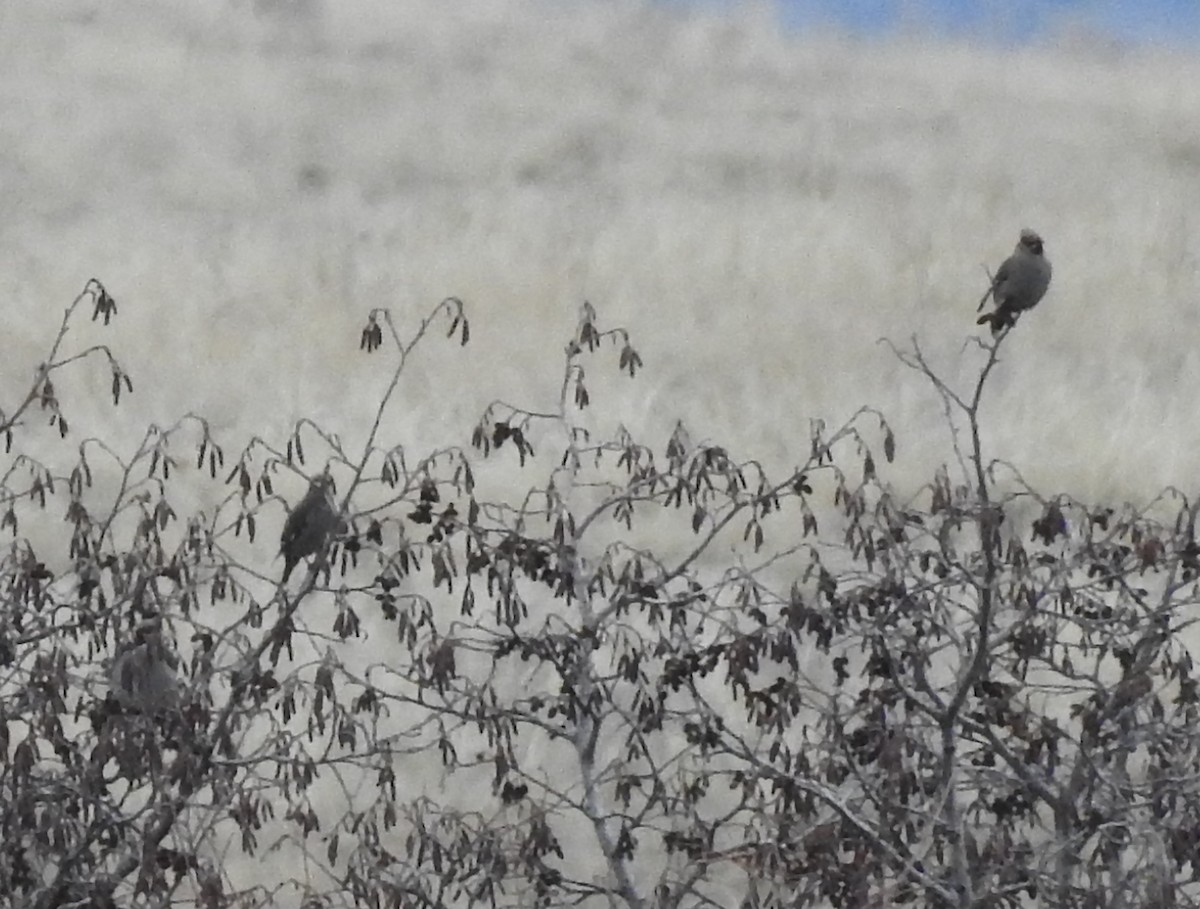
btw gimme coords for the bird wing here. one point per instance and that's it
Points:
(291, 528)
(997, 279)
(124, 672)
(294, 526)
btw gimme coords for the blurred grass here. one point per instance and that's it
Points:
(759, 208)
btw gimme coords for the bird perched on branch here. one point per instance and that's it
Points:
(308, 528)
(1020, 282)
(143, 677)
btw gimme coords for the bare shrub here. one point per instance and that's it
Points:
(557, 668)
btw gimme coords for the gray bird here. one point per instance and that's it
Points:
(1019, 284)
(308, 528)
(143, 676)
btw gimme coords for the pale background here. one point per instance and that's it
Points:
(759, 207)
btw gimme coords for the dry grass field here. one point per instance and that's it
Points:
(759, 209)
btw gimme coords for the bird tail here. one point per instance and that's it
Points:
(997, 321)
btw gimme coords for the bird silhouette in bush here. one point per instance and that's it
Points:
(308, 528)
(143, 678)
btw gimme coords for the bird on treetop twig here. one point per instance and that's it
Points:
(1019, 283)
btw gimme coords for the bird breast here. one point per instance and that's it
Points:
(1026, 281)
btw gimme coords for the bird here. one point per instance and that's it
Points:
(310, 525)
(1019, 284)
(143, 677)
